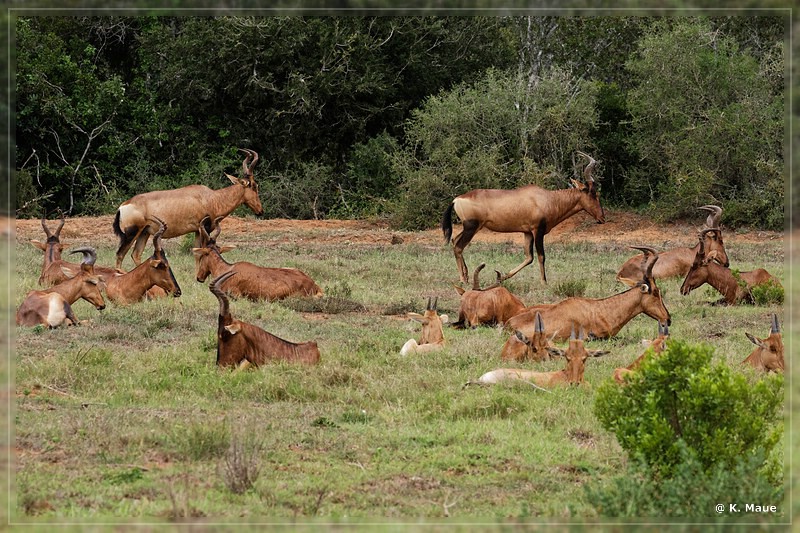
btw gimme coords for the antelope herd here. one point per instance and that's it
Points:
(531, 330)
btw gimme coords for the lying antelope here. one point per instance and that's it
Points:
(240, 344)
(536, 348)
(530, 210)
(655, 346)
(491, 305)
(734, 288)
(768, 354)
(52, 307)
(602, 318)
(432, 337)
(56, 270)
(182, 209)
(134, 286)
(572, 374)
(678, 261)
(253, 282)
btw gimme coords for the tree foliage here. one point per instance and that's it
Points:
(349, 113)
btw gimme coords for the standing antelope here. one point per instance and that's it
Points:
(734, 288)
(602, 318)
(432, 337)
(768, 354)
(536, 348)
(52, 307)
(572, 374)
(678, 261)
(182, 209)
(240, 344)
(254, 282)
(530, 210)
(491, 305)
(133, 286)
(655, 346)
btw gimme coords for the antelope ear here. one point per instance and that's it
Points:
(577, 184)
(67, 272)
(233, 179)
(40, 245)
(556, 352)
(155, 263)
(627, 281)
(197, 251)
(754, 340)
(459, 290)
(417, 317)
(597, 353)
(233, 329)
(521, 337)
(93, 281)
(226, 248)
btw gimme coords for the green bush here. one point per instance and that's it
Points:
(767, 293)
(692, 491)
(679, 399)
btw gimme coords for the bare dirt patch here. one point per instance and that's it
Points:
(621, 228)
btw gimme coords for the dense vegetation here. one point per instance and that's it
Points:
(393, 116)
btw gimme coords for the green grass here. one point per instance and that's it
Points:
(127, 417)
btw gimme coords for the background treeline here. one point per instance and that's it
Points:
(394, 116)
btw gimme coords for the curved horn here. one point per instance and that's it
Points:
(44, 225)
(246, 161)
(715, 213)
(224, 305)
(89, 254)
(538, 323)
(587, 172)
(428, 307)
(649, 259)
(60, 225)
(776, 328)
(217, 228)
(475, 282)
(435, 302)
(157, 236)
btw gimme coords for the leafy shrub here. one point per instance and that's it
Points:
(767, 293)
(697, 435)
(680, 400)
(692, 491)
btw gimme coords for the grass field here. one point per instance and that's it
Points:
(127, 418)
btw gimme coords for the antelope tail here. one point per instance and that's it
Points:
(117, 229)
(447, 223)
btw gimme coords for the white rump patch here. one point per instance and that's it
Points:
(409, 347)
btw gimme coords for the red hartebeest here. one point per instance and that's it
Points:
(240, 344)
(182, 209)
(52, 307)
(677, 261)
(768, 354)
(530, 210)
(491, 305)
(735, 288)
(602, 318)
(655, 346)
(536, 348)
(134, 286)
(432, 337)
(254, 282)
(572, 374)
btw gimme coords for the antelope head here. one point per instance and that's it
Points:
(160, 265)
(698, 273)
(248, 182)
(431, 323)
(538, 348)
(715, 247)
(576, 356)
(208, 245)
(768, 354)
(590, 195)
(652, 301)
(53, 238)
(92, 285)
